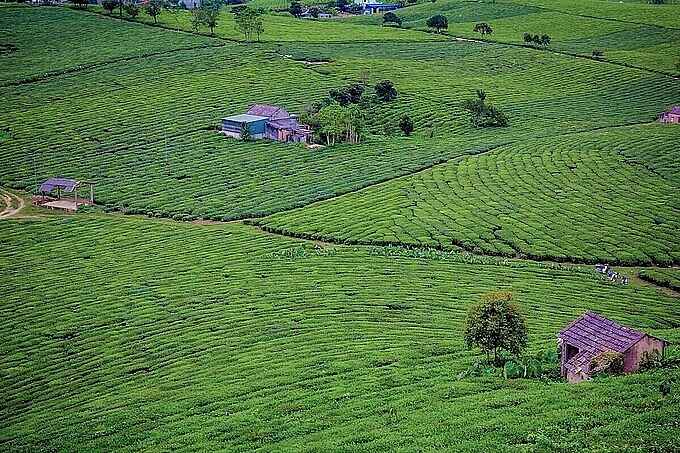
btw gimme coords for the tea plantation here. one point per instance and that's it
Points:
(136, 334)
(228, 295)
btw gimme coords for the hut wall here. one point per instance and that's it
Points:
(633, 356)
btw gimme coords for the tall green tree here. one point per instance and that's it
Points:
(249, 21)
(154, 9)
(110, 5)
(439, 22)
(196, 18)
(132, 10)
(496, 322)
(210, 12)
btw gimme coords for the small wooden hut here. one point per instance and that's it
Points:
(592, 334)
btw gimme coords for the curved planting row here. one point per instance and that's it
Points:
(219, 340)
(41, 41)
(563, 198)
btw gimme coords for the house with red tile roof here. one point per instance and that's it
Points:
(592, 334)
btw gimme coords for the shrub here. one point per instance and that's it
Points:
(607, 362)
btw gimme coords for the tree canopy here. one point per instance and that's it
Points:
(496, 322)
(154, 8)
(439, 22)
(406, 125)
(390, 17)
(249, 21)
(483, 114)
(482, 28)
(385, 91)
(295, 9)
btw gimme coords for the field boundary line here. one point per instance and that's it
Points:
(573, 55)
(588, 16)
(51, 75)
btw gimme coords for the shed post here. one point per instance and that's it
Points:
(75, 194)
(91, 193)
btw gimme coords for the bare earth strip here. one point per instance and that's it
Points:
(8, 198)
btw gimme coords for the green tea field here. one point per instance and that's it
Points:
(254, 295)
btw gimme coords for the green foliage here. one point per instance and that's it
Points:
(340, 123)
(667, 278)
(385, 91)
(210, 13)
(496, 322)
(110, 5)
(295, 9)
(483, 28)
(249, 21)
(483, 114)
(350, 94)
(406, 125)
(390, 17)
(132, 10)
(154, 8)
(439, 22)
(542, 40)
(245, 132)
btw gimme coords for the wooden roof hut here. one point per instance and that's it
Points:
(592, 334)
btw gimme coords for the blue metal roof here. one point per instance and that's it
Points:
(245, 118)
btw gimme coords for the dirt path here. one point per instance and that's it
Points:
(9, 199)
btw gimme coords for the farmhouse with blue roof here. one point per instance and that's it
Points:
(266, 121)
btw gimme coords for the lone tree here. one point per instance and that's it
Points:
(132, 10)
(406, 125)
(110, 5)
(439, 22)
(482, 28)
(385, 91)
(390, 17)
(154, 9)
(209, 14)
(496, 322)
(295, 9)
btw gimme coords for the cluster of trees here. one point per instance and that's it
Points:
(332, 7)
(340, 117)
(249, 22)
(542, 40)
(483, 114)
(206, 15)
